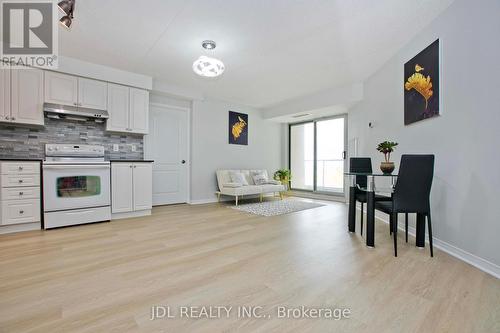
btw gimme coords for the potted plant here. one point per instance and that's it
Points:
(386, 148)
(284, 176)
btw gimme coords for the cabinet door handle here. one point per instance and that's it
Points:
(130, 166)
(13, 118)
(183, 161)
(6, 117)
(135, 166)
(21, 193)
(21, 212)
(20, 180)
(20, 168)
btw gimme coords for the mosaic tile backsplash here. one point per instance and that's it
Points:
(29, 142)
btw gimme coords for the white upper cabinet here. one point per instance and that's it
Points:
(27, 96)
(92, 94)
(118, 108)
(5, 94)
(21, 96)
(61, 89)
(128, 109)
(139, 110)
(75, 91)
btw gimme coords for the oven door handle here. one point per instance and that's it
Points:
(89, 166)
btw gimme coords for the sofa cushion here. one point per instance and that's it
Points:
(233, 185)
(243, 190)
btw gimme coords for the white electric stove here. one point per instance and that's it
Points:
(76, 185)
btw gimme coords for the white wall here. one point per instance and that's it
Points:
(465, 138)
(210, 149)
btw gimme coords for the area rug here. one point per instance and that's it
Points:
(276, 207)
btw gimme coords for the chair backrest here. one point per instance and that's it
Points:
(413, 187)
(360, 164)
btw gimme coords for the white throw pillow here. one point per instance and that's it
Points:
(259, 179)
(273, 182)
(238, 177)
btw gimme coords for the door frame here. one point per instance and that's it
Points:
(188, 162)
(314, 121)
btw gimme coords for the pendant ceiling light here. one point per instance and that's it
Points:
(67, 7)
(207, 66)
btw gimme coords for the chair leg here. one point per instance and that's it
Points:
(395, 232)
(406, 226)
(236, 201)
(362, 219)
(390, 224)
(430, 232)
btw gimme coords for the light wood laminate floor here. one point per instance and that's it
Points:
(106, 277)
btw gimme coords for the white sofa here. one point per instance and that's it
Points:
(227, 187)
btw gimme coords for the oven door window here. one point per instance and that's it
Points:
(78, 186)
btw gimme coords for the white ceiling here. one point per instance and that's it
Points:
(274, 50)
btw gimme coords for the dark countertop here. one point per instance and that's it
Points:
(132, 161)
(22, 159)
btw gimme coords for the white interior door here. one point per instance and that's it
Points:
(166, 144)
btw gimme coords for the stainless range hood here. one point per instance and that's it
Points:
(56, 111)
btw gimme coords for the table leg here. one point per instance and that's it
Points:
(352, 209)
(370, 212)
(420, 237)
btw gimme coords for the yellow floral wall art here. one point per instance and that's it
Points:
(422, 84)
(238, 128)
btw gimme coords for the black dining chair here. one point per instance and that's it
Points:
(411, 193)
(363, 165)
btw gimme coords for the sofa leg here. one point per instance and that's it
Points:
(218, 196)
(261, 195)
(236, 201)
(281, 195)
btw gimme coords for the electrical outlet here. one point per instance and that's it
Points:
(116, 147)
(134, 149)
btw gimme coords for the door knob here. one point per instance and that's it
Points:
(183, 161)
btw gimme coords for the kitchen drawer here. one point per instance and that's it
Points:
(20, 180)
(20, 211)
(19, 168)
(15, 193)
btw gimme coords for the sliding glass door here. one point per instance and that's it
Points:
(317, 155)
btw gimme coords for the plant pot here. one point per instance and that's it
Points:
(387, 167)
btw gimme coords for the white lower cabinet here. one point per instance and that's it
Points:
(19, 196)
(131, 189)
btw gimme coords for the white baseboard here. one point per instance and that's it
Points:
(319, 196)
(204, 201)
(7, 229)
(117, 216)
(478, 262)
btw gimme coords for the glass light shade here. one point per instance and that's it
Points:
(208, 67)
(65, 6)
(65, 22)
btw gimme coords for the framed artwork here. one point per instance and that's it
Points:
(421, 85)
(238, 128)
